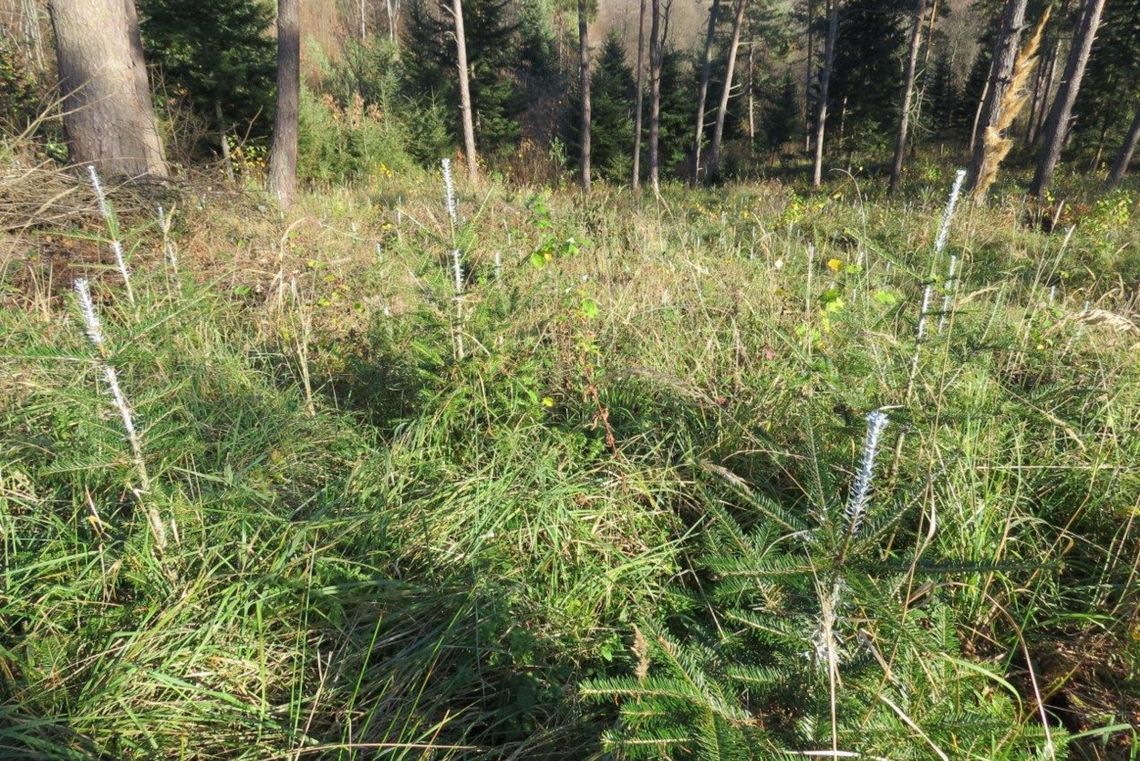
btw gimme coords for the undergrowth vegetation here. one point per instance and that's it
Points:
(603, 483)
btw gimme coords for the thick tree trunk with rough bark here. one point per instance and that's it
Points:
(465, 92)
(640, 96)
(584, 86)
(1124, 157)
(703, 89)
(908, 95)
(726, 93)
(1001, 69)
(655, 48)
(283, 154)
(107, 110)
(1057, 125)
(824, 83)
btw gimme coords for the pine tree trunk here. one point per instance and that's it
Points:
(1124, 157)
(751, 85)
(930, 35)
(978, 111)
(726, 93)
(283, 154)
(1057, 125)
(640, 96)
(1104, 125)
(584, 85)
(920, 92)
(465, 93)
(807, 75)
(655, 47)
(824, 83)
(703, 90)
(33, 36)
(107, 110)
(1050, 77)
(393, 9)
(1039, 94)
(1001, 69)
(908, 95)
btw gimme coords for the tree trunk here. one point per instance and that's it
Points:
(33, 37)
(908, 94)
(1050, 78)
(726, 94)
(107, 110)
(1057, 125)
(1001, 69)
(703, 90)
(283, 154)
(1124, 157)
(1040, 92)
(465, 92)
(584, 85)
(807, 75)
(640, 96)
(824, 82)
(393, 9)
(930, 35)
(751, 85)
(655, 47)
(1104, 125)
(224, 139)
(920, 92)
(978, 111)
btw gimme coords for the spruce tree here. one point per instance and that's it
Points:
(678, 111)
(493, 58)
(217, 54)
(782, 115)
(1105, 104)
(866, 85)
(612, 93)
(944, 101)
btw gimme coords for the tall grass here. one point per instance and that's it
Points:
(606, 527)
